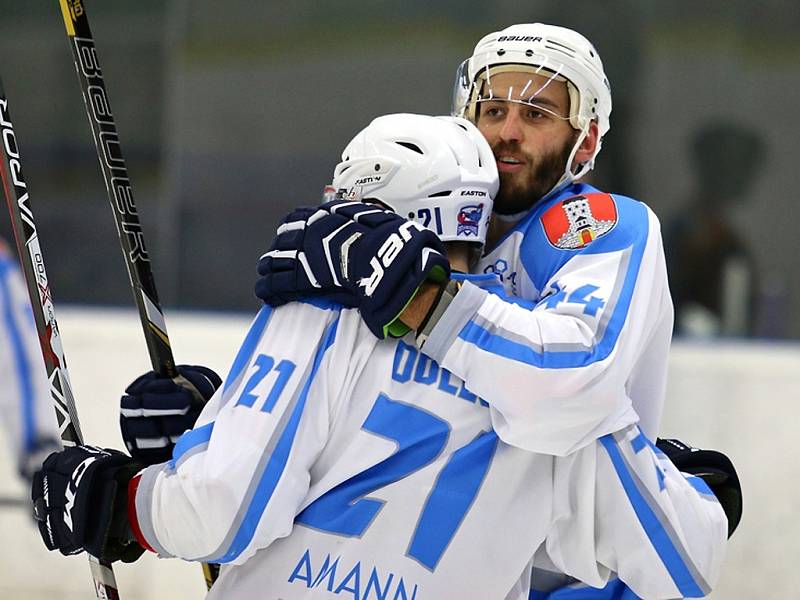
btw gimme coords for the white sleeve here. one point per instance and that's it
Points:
(560, 374)
(236, 480)
(621, 507)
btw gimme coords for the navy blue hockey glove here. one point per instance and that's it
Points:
(80, 503)
(715, 469)
(155, 411)
(355, 254)
(286, 273)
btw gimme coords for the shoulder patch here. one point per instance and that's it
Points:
(577, 221)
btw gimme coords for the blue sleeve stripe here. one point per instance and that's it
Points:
(504, 343)
(191, 442)
(496, 340)
(245, 353)
(275, 461)
(614, 590)
(700, 485)
(22, 365)
(666, 543)
(640, 442)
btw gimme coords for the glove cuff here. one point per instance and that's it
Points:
(443, 299)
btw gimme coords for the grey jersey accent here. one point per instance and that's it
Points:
(461, 310)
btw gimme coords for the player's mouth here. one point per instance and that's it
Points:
(509, 164)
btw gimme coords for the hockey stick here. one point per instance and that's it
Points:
(120, 195)
(30, 254)
(118, 186)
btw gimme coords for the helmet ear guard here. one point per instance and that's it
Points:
(437, 171)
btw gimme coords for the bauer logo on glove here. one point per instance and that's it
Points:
(385, 256)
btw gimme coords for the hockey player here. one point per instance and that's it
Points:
(28, 415)
(331, 463)
(598, 338)
(593, 262)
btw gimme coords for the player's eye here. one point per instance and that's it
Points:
(492, 111)
(534, 114)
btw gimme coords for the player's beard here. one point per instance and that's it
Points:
(521, 191)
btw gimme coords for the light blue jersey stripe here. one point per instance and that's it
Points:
(511, 346)
(614, 590)
(499, 345)
(249, 345)
(21, 364)
(700, 485)
(189, 441)
(277, 461)
(658, 536)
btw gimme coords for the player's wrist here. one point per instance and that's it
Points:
(444, 297)
(415, 312)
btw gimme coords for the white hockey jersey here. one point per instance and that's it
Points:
(592, 343)
(331, 465)
(27, 411)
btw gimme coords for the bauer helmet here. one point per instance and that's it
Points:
(559, 54)
(437, 171)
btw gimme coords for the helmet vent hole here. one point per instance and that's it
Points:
(440, 194)
(377, 166)
(410, 146)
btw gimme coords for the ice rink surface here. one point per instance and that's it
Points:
(741, 398)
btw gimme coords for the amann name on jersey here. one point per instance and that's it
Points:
(386, 586)
(411, 365)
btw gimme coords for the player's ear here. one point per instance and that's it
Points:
(588, 145)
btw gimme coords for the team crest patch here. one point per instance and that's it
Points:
(577, 221)
(469, 219)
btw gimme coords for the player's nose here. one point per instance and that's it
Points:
(511, 129)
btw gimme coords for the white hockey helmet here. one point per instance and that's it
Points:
(556, 52)
(437, 171)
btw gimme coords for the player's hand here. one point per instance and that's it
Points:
(355, 254)
(80, 503)
(155, 411)
(295, 266)
(715, 469)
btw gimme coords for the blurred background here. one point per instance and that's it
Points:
(231, 113)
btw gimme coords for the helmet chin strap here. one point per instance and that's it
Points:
(568, 176)
(566, 179)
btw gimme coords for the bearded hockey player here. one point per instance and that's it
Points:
(592, 262)
(332, 463)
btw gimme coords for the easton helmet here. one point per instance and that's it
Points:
(437, 171)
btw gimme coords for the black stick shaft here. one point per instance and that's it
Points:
(16, 192)
(120, 194)
(118, 186)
